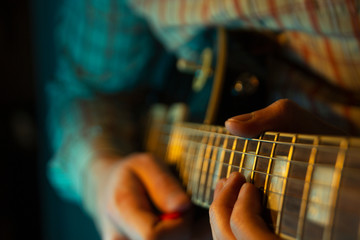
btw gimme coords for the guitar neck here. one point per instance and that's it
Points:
(308, 181)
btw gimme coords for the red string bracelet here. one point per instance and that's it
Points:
(169, 216)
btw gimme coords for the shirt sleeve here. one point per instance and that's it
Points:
(102, 52)
(178, 21)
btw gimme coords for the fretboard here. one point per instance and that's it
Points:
(311, 184)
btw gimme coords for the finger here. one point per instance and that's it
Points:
(133, 213)
(164, 190)
(221, 208)
(219, 186)
(282, 116)
(109, 232)
(246, 221)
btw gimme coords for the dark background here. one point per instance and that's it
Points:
(19, 192)
(29, 207)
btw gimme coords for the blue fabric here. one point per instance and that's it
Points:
(101, 47)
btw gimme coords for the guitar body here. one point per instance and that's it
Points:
(310, 183)
(238, 84)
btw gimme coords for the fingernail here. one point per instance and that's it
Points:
(242, 118)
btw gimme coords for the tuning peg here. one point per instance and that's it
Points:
(202, 72)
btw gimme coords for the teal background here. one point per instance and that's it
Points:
(60, 220)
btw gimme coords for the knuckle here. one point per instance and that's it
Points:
(212, 211)
(140, 159)
(285, 104)
(237, 221)
(286, 107)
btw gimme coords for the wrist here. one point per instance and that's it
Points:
(95, 178)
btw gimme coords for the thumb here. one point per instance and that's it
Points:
(281, 116)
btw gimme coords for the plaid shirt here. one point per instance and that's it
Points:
(107, 46)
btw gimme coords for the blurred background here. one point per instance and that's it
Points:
(30, 209)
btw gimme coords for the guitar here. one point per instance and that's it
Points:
(310, 183)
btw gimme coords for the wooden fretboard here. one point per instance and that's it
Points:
(311, 184)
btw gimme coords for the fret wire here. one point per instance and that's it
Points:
(190, 162)
(319, 203)
(306, 191)
(185, 148)
(336, 183)
(299, 145)
(273, 159)
(272, 175)
(205, 166)
(291, 151)
(177, 145)
(255, 160)
(270, 165)
(168, 143)
(349, 213)
(162, 149)
(198, 200)
(193, 173)
(243, 156)
(182, 162)
(265, 157)
(345, 211)
(199, 161)
(174, 143)
(221, 163)
(193, 162)
(285, 236)
(231, 159)
(212, 169)
(222, 156)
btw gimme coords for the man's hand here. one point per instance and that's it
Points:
(281, 116)
(131, 194)
(236, 210)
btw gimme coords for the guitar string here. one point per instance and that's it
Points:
(279, 158)
(186, 127)
(300, 181)
(275, 175)
(298, 145)
(293, 180)
(217, 176)
(268, 191)
(289, 144)
(323, 204)
(345, 212)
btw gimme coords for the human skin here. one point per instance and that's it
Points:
(236, 210)
(130, 195)
(127, 195)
